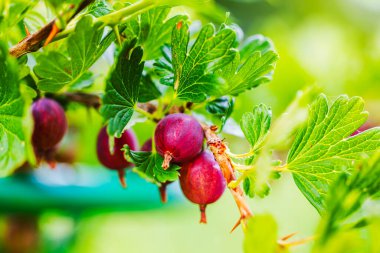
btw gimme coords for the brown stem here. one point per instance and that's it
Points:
(87, 99)
(202, 208)
(21, 234)
(218, 148)
(148, 107)
(33, 42)
(162, 190)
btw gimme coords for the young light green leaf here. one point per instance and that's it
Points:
(261, 235)
(122, 89)
(280, 133)
(149, 165)
(323, 149)
(193, 80)
(255, 43)
(255, 125)
(12, 137)
(84, 46)
(345, 198)
(249, 187)
(151, 27)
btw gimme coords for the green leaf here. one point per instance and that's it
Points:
(249, 187)
(255, 125)
(148, 90)
(280, 132)
(193, 77)
(349, 192)
(84, 46)
(261, 235)
(222, 108)
(163, 67)
(323, 149)
(343, 242)
(12, 12)
(59, 5)
(152, 29)
(255, 43)
(12, 137)
(122, 88)
(98, 8)
(246, 72)
(149, 165)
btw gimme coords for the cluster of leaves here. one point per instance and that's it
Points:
(207, 67)
(342, 226)
(322, 149)
(346, 197)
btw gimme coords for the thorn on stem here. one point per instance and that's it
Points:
(54, 30)
(26, 30)
(286, 237)
(239, 222)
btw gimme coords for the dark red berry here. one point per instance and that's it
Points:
(116, 160)
(50, 126)
(202, 181)
(178, 138)
(147, 146)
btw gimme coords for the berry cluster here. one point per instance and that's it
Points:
(178, 138)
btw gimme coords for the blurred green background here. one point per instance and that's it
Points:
(332, 44)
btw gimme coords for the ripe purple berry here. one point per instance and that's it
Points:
(178, 138)
(50, 126)
(147, 146)
(116, 160)
(202, 181)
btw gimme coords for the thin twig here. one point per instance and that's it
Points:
(33, 42)
(87, 99)
(219, 148)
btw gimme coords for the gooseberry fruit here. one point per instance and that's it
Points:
(50, 126)
(147, 146)
(178, 138)
(202, 181)
(115, 160)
